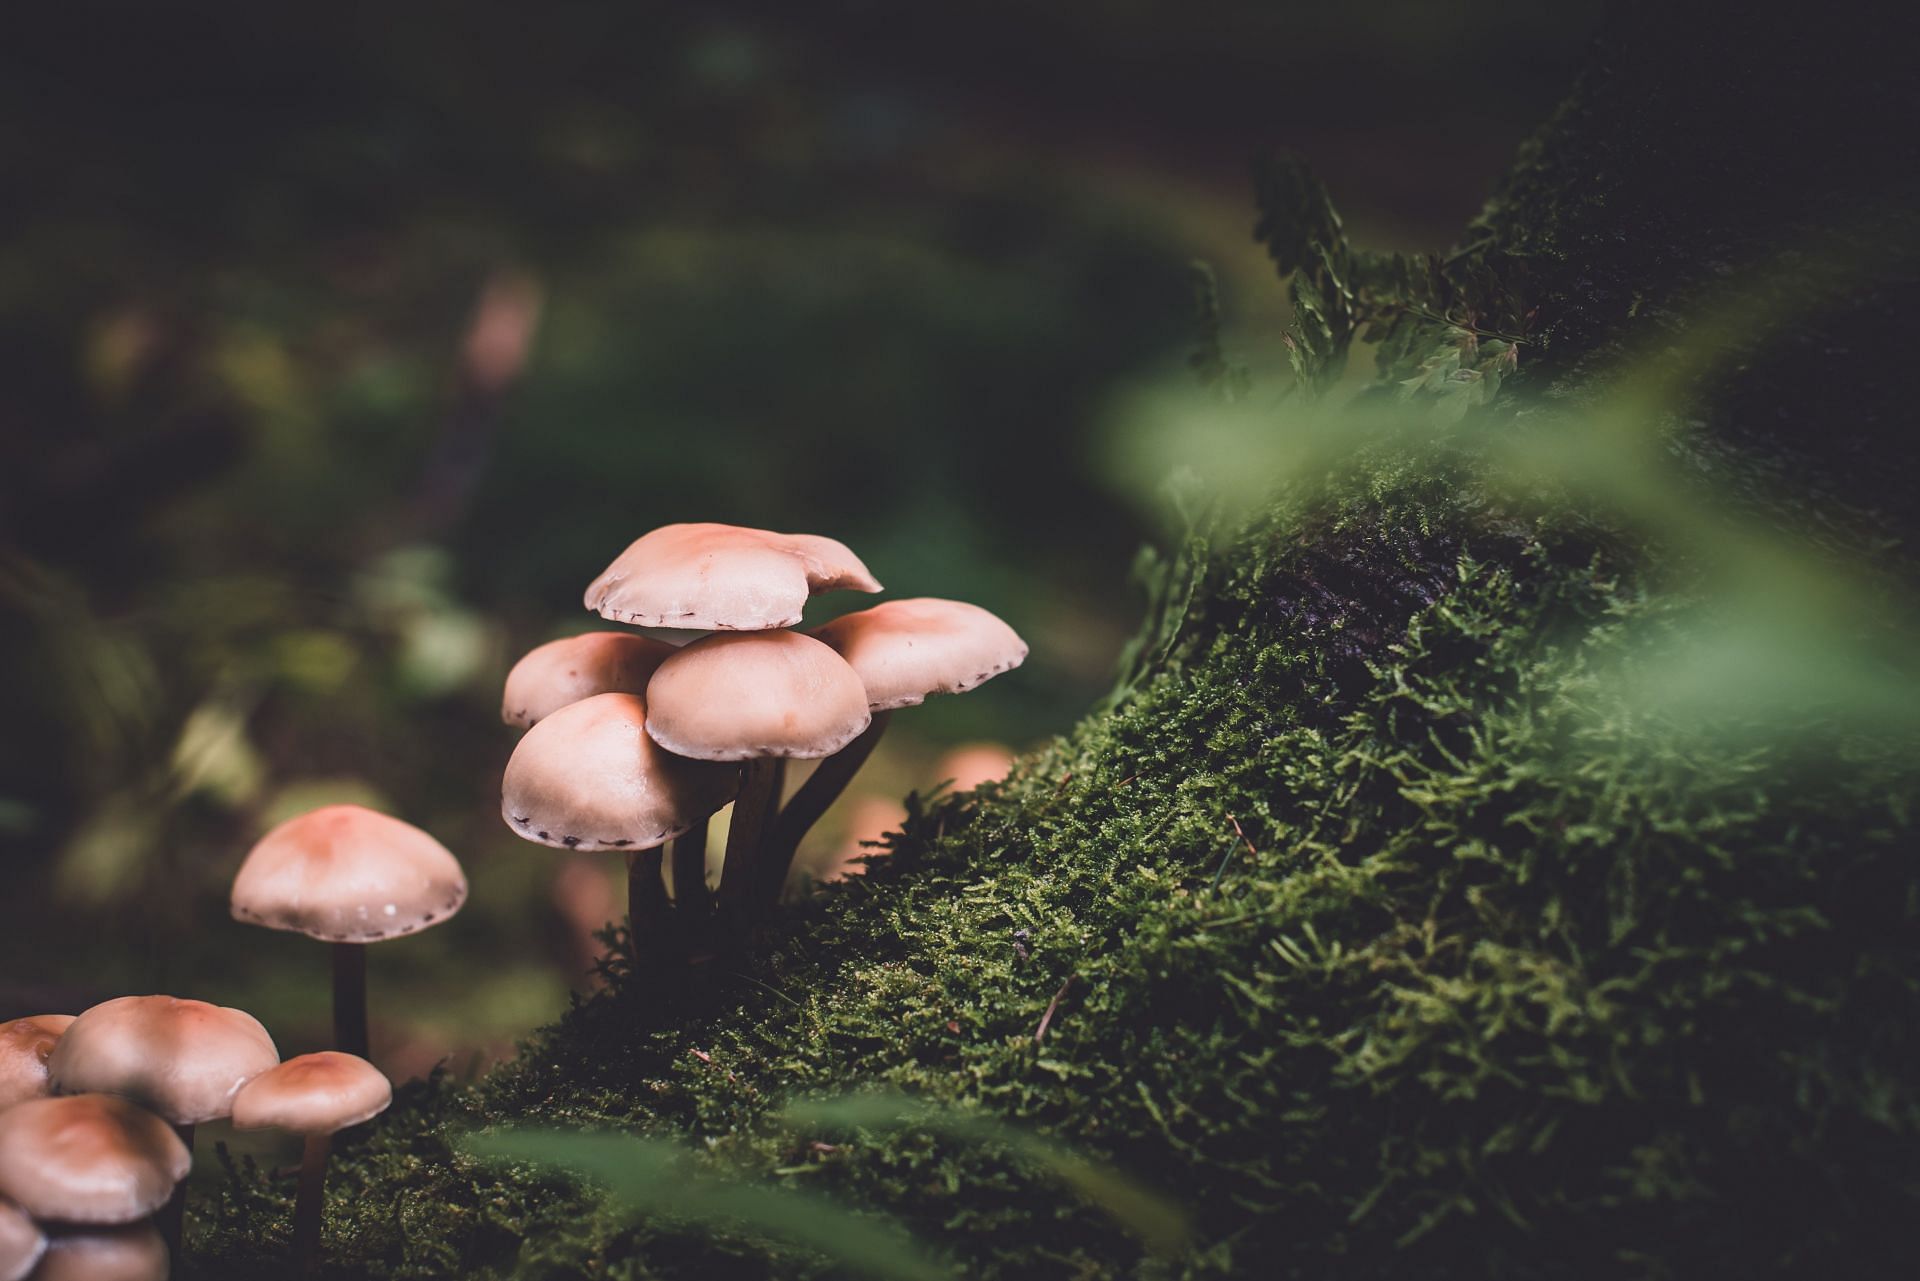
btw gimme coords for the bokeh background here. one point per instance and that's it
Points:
(340, 346)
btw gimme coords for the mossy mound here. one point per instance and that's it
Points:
(1385, 924)
(1443, 961)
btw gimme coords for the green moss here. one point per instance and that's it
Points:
(1500, 974)
(1393, 930)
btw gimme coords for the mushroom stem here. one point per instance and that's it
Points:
(350, 998)
(692, 899)
(172, 1218)
(646, 902)
(754, 809)
(821, 790)
(308, 1203)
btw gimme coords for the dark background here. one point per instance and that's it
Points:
(341, 346)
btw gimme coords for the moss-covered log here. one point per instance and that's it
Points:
(1379, 924)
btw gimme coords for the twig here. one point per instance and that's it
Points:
(1221, 871)
(1040, 1033)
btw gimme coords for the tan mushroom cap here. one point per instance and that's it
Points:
(346, 874)
(24, 1047)
(313, 1094)
(723, 578)
(566, 671)
(905, 650)
(738, 697)
(588, 777)
(21, 1242)
(136, 1252)
(88, 1158)
(182, 1059)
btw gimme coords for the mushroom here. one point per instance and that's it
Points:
(560, 672)
(24, 1047)
(184, 1060)
(589, 777)
(710, 577)
(348, 876)
(21, 1242)
(133, 1252)
(314, 1096)
(88, 1158)
(760, 698)
(903, 651)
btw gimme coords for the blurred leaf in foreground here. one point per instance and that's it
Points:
(655, 1179)
(1157, 1222)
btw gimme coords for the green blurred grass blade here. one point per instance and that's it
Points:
(1157, 1222)
(652, 1178)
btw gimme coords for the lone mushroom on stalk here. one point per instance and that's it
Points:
(589, 777)
(904, 652)
(718, 578)
(315, 1096)
(21, 1242)
(24, 1047)
(348, 876)
(551, 676)
(88, 1158)
(760, 698)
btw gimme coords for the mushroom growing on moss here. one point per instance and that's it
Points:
(24, 1047)
(348, 876)
(315, 1096)
(760, 698)
(904, 652)
(589, 777)
(551, 676)
(708, 577)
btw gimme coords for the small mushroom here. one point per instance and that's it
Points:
(348, 876)
(24, 1047)
(589, 777)
(21, 1242)
(565, 671)
(750, 695)
(710, 577)
(908, 650)
(88, 1158)
(182, 1059)
(314, 1096)
(132, 1252)
(903, 651)
(760, 698)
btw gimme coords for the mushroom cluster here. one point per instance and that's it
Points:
(633, 743)
(98, 1111)
(97, 1124)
